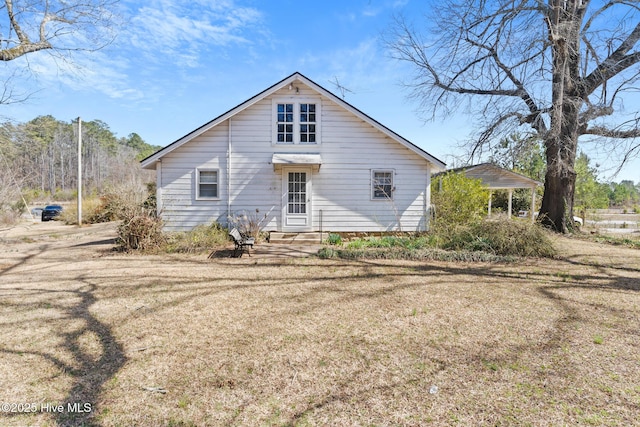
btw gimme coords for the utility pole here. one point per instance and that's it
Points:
(79, 172)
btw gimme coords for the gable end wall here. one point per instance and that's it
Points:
(350, 149)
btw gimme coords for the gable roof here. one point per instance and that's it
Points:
(495, 177)
(149, 162)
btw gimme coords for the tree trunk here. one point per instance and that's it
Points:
(556, 211)
(557, 202)
(561, 141)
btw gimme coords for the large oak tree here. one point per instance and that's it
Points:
(557, 69)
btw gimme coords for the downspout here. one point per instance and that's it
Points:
(229, 174)
(533, 203)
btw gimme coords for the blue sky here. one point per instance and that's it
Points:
(176, 64)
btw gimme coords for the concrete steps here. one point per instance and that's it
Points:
(312, 238)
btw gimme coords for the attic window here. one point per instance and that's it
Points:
(308, 123)
(296, 122)
(285, 123)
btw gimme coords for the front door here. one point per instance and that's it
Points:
(296, 199)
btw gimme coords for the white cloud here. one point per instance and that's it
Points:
(372, 11)
(92, 72)
(161, 40)
(182, 31)
(358, 67)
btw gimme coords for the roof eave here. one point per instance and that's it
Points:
(437, 163)
(150, 161)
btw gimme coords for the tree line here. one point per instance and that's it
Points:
(592, 193)
(39, 158)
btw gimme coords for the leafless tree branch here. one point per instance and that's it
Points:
(514, 72)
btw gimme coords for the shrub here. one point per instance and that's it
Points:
(326, 253)
(426, 254)
(140, 230)
(200, 238)
(408, 242)
(487, 240)
(458, 200)
(66, 195)
(8, 217)
(111, 208)
(334, 239)
(508, 238)
(248, 223)
(89, 208)
(117, 203)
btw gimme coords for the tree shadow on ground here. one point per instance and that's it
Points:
(89, 373)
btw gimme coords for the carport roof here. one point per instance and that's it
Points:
(495, 177)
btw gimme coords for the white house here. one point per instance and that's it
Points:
(303, 157)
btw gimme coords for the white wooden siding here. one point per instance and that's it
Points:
(350, 148)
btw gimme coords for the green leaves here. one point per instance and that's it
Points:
(458, 199)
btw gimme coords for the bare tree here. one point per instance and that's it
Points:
(56, 26)
(555, 69)
(40, 157)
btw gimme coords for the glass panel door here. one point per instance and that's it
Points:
(297, 198)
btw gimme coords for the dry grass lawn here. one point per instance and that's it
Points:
(186, 340)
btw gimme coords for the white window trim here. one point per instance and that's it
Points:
(372, 188)
(296, 120)
(197, 182)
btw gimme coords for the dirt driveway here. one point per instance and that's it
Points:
(89, 336)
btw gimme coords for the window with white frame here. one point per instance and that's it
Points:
(381, 184)
(308, 123)
(297, 122)
(284, 123)
(207, 184)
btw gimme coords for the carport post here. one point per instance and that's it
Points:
(533, 203)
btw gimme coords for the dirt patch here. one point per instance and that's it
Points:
(191, 340)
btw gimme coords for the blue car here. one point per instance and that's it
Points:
(51, 212)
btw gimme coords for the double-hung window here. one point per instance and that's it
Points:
(297, 122)
(207, 184)
(381, 184)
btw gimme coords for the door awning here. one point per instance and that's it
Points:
(296, 159)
